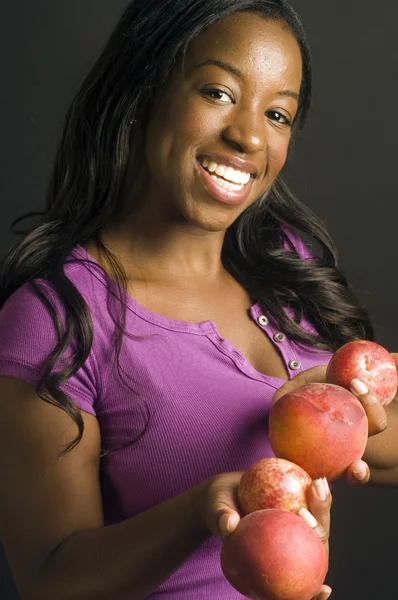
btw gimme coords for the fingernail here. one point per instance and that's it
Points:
(326, 486)
(359, 387)
(326, 593)
(361, 474)
(320, 489)
(308, 517)
(233, 522)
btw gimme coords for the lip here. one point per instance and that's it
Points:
(221, 194)
(232, 161)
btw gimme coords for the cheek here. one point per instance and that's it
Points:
(194, 124)
(278, 150)
(178, 130)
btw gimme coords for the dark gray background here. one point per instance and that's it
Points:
(344, 168)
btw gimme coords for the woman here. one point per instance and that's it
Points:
(162, 300)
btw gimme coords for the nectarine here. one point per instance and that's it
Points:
(368, 362)
(274, 555)
(321, 427)
(273, 483)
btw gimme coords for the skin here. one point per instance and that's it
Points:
(168, 234)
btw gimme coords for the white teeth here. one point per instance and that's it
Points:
(234, 187)
(230, 174)
(226, 184)
(220, 170)
(233, 176)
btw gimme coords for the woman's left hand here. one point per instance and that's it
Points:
(357, 472)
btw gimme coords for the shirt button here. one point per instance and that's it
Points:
(279, 337)
(295, 365)
(263, 320)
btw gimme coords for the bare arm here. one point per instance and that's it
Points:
(51, 522)
(127, 560)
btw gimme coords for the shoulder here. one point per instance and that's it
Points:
(35, 301)
(30, 321)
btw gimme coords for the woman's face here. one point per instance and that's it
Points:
(219, 135)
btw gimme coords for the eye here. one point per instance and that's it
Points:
(277, 116)
(218, 95)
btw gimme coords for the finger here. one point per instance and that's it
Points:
(377, 417)
(217, 503)
(324, 593)
(313, 375)
(358, 473)
(227, 523)
(315, 526)
(320, 502)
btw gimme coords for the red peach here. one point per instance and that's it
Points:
(274, 555)
(368, 362)
(273, 483)
(321, 427)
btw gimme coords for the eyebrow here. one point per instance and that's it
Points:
(223, 65)
(234, 71)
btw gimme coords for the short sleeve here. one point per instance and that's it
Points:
(28, 335)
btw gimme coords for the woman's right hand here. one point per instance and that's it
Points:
(219, 509)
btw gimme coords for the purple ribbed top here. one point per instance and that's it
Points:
(208, 406)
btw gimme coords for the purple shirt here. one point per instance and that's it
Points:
(208, 406)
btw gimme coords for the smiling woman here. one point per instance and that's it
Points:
(165, 295)
(231, 105)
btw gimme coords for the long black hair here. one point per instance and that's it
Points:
(146, 46)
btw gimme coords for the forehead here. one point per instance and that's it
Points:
(257, 46)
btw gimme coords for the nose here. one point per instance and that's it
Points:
(245, 132)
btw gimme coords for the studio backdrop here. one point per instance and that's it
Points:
(344, 168)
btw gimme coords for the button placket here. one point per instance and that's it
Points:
(279, 338)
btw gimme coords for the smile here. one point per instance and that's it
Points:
(224, 183)
(227, 177)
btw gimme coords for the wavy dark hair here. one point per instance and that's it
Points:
(145, 48)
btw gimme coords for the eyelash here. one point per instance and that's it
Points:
(209, 92)
(285, 120)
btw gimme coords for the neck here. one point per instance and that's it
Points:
(175, 249)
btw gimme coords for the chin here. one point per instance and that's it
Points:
(212, 219)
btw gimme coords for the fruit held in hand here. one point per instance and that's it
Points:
(274, 555)
(368, 362)
(273, 483)
(319, 426)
